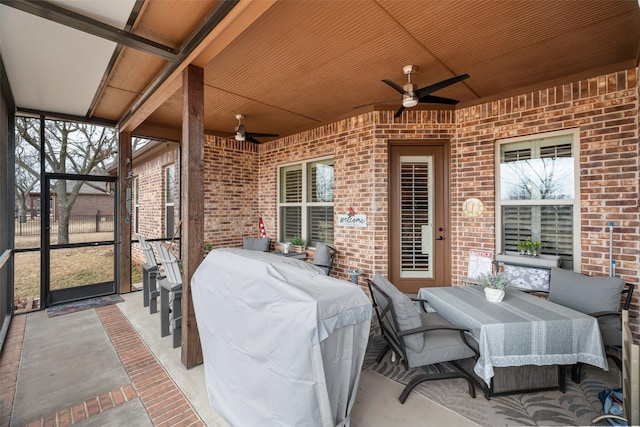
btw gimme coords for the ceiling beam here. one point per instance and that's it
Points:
(71, 19)
(68, 117)
(238, 14)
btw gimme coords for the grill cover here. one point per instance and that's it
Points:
(283, 344)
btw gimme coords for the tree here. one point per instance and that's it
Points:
(27, 176)
(539, 179)
(68, 147)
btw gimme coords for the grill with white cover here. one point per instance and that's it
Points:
(282, 343)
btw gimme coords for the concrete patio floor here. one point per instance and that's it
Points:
(110, 367)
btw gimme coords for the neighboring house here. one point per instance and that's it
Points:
(92, 199)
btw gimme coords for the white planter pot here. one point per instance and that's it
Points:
(494, 295)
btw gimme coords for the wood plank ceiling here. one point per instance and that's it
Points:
(293, 65)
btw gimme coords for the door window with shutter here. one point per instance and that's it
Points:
(305, 201)
(537, 194)
(416, 216)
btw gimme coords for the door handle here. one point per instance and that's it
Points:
(439, 238)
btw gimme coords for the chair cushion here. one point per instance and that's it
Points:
(440, 346)
(256, 243)
(407, 314)
(586, 294)
(611, 330)
(322, 255)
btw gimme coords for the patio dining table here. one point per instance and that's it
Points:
(522, 330)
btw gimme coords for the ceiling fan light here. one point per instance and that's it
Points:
(409, 100)
(240, 136)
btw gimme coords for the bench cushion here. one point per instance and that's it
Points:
(587, 294)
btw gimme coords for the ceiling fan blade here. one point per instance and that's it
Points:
(395, 86)
(399, 112)
(389, 101)
(438, 100)
(440, 85)
(250, 139)
(223, 134)
(260, 135)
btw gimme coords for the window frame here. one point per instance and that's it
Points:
(167, 204)
(136, 202)
(575, 202)
(304, 204)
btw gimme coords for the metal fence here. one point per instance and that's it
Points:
(77, 224)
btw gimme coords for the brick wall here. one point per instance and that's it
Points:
(90, 204)
(231, 192)
(603, 109)
(151, 214)
(351, 143)
(241, 178)
(605, 112)
(359, 146)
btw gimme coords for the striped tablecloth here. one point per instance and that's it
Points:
(520, 330)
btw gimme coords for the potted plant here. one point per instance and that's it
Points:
(529, 247)
(297, 244)
(494, 286)
(535, 247)
(522, 246)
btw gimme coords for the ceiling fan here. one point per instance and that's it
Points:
(242, 135)
(411, 96)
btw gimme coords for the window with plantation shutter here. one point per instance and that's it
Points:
(320, 224)
(291, 185)
(536, 183)
(305, 201)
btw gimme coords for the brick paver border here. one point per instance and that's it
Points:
(161, 397)
(9, 365)
(164, 401)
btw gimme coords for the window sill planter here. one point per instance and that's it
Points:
(540, 261)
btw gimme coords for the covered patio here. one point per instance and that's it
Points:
(127, 374)
(248, 100)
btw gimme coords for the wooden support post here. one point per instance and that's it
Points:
(192, 205)
(124, 216)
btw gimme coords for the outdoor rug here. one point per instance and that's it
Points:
(577, 406)
(86, 304)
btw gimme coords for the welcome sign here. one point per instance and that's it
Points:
(352, 220)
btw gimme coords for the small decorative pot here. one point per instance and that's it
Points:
(494, 295)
